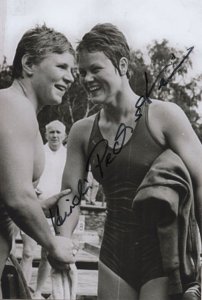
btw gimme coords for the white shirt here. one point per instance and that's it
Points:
(51, 178)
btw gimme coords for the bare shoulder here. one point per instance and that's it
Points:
(82, 128)
(16, 113)
(80, 133)
(166, 112)
(85, 123)
(165, 119)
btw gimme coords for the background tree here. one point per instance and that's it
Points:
(181, 89)
(5, 74)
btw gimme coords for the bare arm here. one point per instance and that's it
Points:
(182, 139)
(18, 132)
(74, 178)
(21, 163)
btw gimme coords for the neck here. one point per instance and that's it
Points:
(24, 86)
(54, 148)
(121, 107)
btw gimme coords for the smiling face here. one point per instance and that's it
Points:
(52, 77)
(100, 78)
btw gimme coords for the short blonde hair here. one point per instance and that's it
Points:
(37, 43)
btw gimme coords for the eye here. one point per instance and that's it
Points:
(82, 73)
(75, 72)
(95, 70)
(62, 66)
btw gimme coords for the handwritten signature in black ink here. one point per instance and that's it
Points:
(106, 158)
(163, 82)
(82, 190)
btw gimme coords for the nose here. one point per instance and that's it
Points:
(55, 134)
(88, 77)
(68, 77)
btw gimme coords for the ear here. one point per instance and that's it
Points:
(46, 136)
(27, 66)
(123, 66)
(64, 136)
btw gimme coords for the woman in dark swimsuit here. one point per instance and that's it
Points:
(120, 152)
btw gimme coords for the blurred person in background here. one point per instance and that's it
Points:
(50, 184)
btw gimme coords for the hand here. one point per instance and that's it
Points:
(63, 253)
(50, 203)
(65, 284)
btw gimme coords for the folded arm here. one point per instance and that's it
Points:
(181, 138)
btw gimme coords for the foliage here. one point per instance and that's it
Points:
(181, 89)
(5, 74)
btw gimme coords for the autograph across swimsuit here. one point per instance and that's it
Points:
(129, 248)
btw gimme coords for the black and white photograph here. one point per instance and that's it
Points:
(100, 149)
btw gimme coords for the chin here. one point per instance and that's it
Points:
(56, 101)
(97, 100)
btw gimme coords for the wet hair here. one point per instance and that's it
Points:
(38, 43)
(106, 38)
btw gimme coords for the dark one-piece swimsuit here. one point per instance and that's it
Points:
(128, 249)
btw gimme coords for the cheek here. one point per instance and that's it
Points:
(43, 81)
(49, 74)
(55, 74)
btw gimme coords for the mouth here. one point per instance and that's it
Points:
(93, 89)
(54, 141)
(61, 88)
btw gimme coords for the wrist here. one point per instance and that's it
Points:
(51, 247)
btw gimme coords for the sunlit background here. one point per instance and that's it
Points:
(178, 21)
